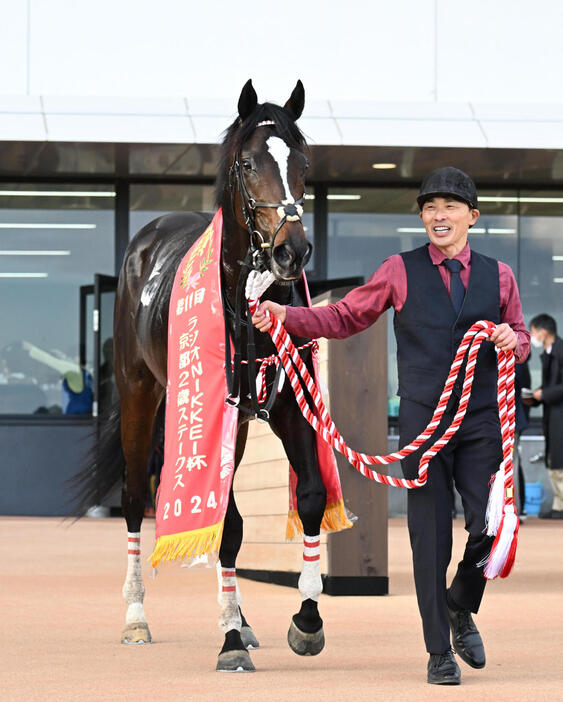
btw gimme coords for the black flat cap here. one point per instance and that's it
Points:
(448, 181)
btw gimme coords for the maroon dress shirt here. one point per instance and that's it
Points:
(387, 287)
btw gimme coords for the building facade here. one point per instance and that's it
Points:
(80, 174)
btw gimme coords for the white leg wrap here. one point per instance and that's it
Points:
(310, 581)
(220, 586)
(133, 588)
(230, 614)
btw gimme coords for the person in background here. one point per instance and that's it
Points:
(550, 396)
(438, 291)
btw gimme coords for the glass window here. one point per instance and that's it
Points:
(541, 263)
(195, 160)
(149, 201)
(366, 226)
(496, 231)
(52, 241)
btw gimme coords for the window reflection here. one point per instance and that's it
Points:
(173, 159)
(153, 200)
(365, 227)
(52, 240)
(541, 263)
(31, 159)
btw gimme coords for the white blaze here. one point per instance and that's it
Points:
(280, 153)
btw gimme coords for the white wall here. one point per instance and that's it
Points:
(499, 51)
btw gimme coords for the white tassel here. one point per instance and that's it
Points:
(495, 505)
(257, 283)
(499, 553)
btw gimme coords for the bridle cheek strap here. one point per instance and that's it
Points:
(287, 210)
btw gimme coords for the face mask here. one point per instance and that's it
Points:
(536, 343)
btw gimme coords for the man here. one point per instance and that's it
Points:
(438, 291)
(550, 395)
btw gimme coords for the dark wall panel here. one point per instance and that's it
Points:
(37, 459)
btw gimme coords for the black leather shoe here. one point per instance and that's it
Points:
(466, 639)
(443, 669)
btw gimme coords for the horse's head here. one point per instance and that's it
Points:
(264, 154)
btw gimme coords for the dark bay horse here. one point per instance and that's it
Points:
(260, 187)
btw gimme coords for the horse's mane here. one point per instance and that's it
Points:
(239, 132)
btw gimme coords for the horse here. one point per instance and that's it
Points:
(260, 187)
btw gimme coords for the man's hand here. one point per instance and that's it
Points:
(261, 320)
(538, 395)
(504, 338)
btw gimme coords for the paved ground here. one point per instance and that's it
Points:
(62, 615)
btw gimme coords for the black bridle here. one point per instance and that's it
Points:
(255, 259)
(288, 211)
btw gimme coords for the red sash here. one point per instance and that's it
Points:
(200, 429)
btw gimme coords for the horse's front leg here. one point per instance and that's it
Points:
(305, 635)
(234, 656)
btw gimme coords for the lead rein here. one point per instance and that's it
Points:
(502, 521)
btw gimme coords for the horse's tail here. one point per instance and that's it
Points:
(104, 468)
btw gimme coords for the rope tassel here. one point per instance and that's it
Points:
(501, 518)
(495, 506)
(503, 551)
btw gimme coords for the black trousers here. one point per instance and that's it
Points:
(467, 462)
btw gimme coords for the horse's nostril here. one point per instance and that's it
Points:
(283, 255)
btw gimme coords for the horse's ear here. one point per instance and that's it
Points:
(247, 101)
(296, 102)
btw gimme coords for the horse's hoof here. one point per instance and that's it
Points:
(136, 633)
(248, 638)
(235, 662)
(305, 644)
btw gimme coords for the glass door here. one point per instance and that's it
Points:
(104, 390)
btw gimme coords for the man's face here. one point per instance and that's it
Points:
(447, 222)
(539, 337)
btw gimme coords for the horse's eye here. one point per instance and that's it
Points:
(307, 164)
(246, 164)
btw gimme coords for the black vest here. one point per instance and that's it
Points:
(428, 333)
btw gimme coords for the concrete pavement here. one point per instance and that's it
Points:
(62, 614)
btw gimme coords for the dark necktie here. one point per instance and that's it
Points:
(457, 291)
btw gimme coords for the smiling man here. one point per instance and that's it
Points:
(438, 291)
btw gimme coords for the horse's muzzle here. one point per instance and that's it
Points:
(290, 258)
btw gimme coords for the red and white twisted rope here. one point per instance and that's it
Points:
(501, 513)
(273, 360)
